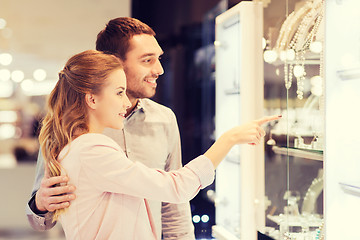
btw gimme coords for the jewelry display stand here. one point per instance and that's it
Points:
(298, 137)
(238, 59)
(308, 187)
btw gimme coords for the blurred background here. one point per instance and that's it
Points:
(38, 36)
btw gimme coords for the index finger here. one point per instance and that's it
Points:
(268, 119)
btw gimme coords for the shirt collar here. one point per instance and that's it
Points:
(139, 107)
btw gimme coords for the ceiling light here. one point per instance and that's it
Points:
(7, 131)
(5, 59)
(35, 88)
(8, 116)
(27, 85)
(6, 89)
(5, 75)
(39, 74)
(17, 76)
(6, 33)
(2, 23)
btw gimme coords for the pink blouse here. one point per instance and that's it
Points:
(112, 190)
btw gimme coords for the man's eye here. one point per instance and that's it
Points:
(147, 60)
(120, 93)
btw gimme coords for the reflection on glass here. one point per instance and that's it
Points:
(298, 139)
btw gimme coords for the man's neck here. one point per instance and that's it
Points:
(134, 103)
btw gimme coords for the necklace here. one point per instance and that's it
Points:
(312, 15)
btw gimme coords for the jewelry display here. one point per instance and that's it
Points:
(296, 34)
(292, 224)
(320, 235)
(313, 192)
(300, 32)
(300, 49)
(271, 141)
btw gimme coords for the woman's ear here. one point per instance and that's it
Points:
(90, 100)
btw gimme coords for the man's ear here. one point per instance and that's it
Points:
(90, 100)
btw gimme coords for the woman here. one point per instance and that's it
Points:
(111, 189)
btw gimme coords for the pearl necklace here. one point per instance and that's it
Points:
(301, 41)
(290, 25)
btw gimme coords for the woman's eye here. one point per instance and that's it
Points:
(120, 93)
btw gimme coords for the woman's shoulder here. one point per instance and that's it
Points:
(93, 140)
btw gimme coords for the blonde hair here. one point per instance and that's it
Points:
(83, 73)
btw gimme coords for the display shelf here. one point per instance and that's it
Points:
(348, 74)
(232, 91)
(352, 188)
(302, 153)
(296, 221)
(306, 62)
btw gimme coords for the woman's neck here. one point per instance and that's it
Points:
(78, 132)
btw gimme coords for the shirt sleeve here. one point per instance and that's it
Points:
(39, 221)
(108, 169)
(176, 219)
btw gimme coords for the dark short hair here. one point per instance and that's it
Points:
(115, 37)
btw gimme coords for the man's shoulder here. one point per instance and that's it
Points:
(155, 112)
(154, 107)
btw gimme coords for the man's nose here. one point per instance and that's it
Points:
(158, 69)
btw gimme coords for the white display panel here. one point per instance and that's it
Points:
(227, 115)
(239, 99)
(342, 156)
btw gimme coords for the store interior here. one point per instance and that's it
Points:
(35, 44)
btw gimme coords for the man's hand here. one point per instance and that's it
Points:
(50, 197)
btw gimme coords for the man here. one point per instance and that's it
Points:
(151, 134)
